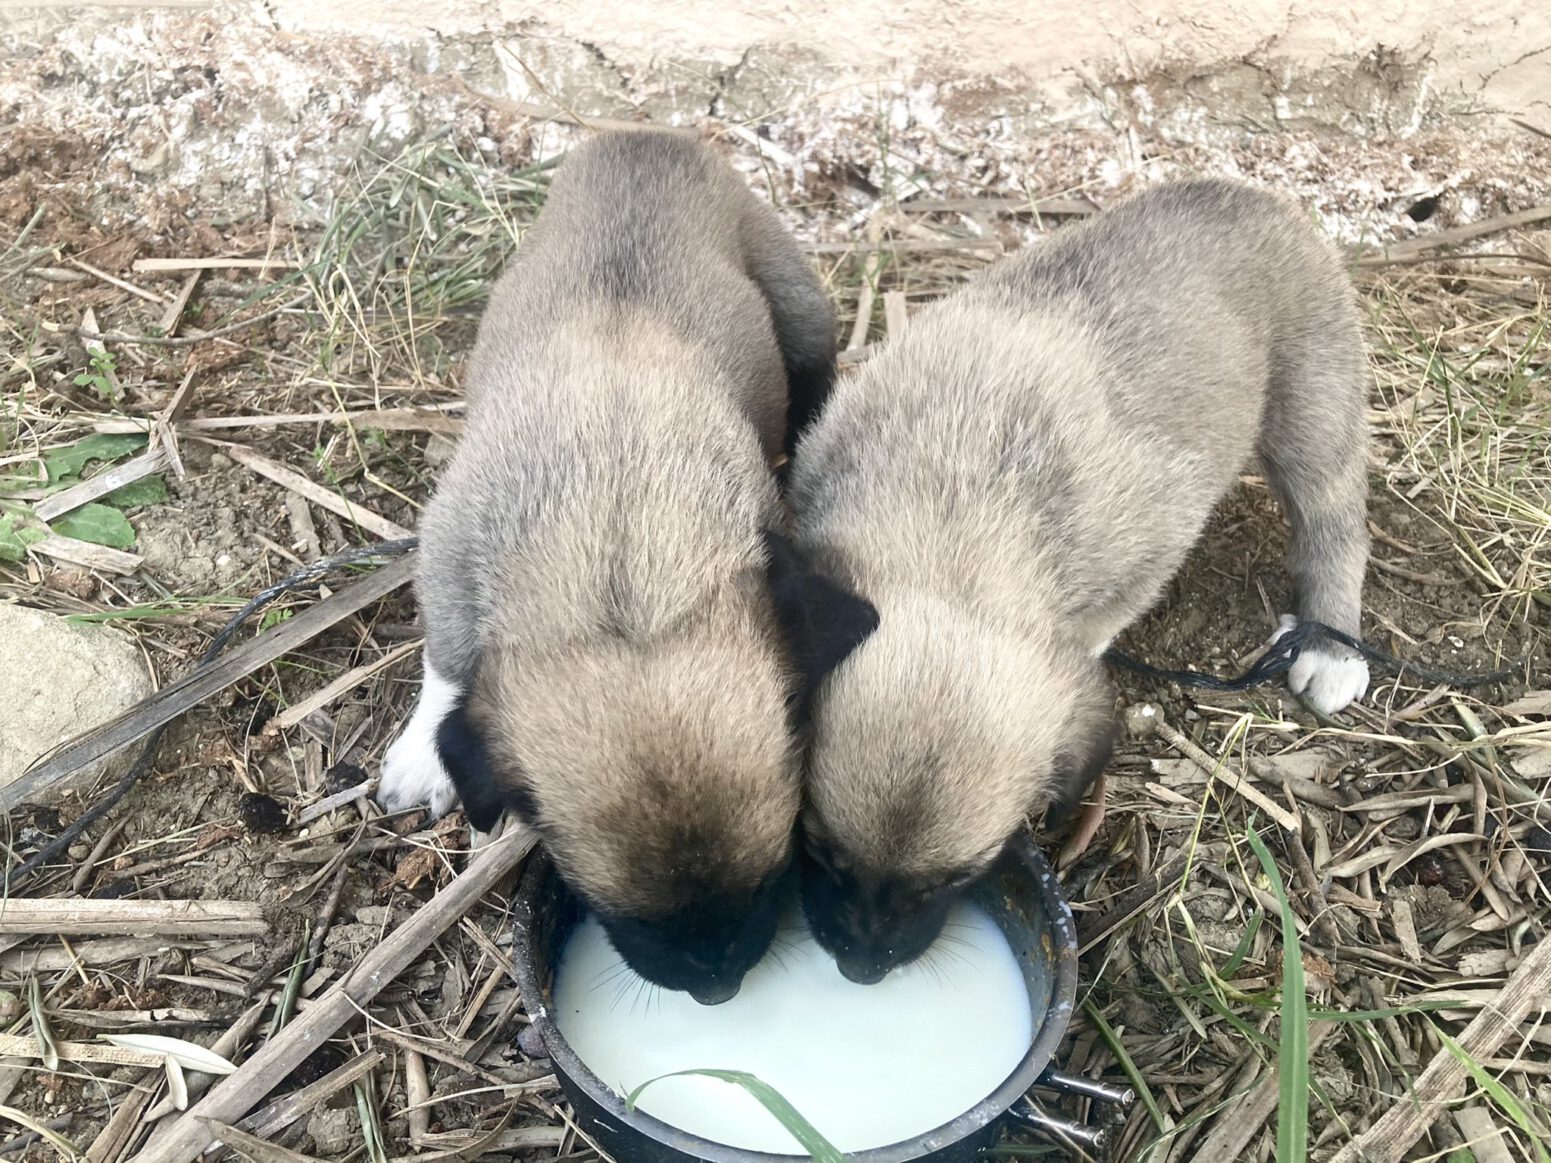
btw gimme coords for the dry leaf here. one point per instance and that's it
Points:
(187, 1054)
(177, 1086)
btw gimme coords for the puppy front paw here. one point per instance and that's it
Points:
(412, 773)
(1327, 676)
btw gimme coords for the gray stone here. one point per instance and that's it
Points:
(57, 679)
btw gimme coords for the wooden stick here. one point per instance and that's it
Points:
(121, 284)
(387, 419)
(106, 951)
(17, 1046)
(313, 491)
(168, 324)
(1443, 1081)
(1242, 1116)
(89, 334)
(336, 801)
(1093, 928)
(1440, 239)
(163, 265)
(1482, 1135)
(896, 315)
(1006, 204)
(100, 485)
(864, 302)
(901, 245)
(869, 289)
(286, 1110)
(545, 113)
(235, 1094)
(67, 917)
(87, 555)
(252, 1147)
(124, 1126)
(348, 681)
(1220, 771)
(164, 435)
(458, 1144)
(196, 686)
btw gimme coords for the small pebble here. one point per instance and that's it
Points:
(79, 851)
(531, 1042)
(260, 814)
(1141, 720)
(10, 1006)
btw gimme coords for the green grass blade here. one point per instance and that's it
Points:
(1133, 1075)
(817, 1146)
(1292, 1112)
(1500, 1095)
(1231, 966)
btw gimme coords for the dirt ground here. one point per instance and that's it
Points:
(1423, 816)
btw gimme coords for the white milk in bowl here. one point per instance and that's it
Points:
(856, 1060)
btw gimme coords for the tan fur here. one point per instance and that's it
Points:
(593, 556)
(1016, 479)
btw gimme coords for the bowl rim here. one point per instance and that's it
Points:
(1041, 1051)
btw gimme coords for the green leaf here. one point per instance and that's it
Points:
(109, 446)
(99, 524)
(1246, 942)
(148, 490)
(1117, 1048)
(14, 540)
(1503, 1098)
(1292, 1063)
(40, 1026)
(273, 618)
(817, 1146)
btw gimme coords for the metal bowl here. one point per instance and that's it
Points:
(1023, 896)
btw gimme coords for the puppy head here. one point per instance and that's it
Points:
(931, 746)
(662, 781)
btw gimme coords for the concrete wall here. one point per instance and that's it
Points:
(262, 109)
(1456, 56)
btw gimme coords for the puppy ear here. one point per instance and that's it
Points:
(821, 622)
(466, 760)
(1090, 734)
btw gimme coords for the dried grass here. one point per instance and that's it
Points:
(1417, 871)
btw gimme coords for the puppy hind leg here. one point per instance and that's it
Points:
(1314, 445)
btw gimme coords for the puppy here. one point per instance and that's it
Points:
(602, 651)
(1014, 481)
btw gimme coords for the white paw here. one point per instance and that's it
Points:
(412, 773)
(1329, 677)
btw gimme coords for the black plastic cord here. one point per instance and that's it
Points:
(306, 576)
(1282, 653)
